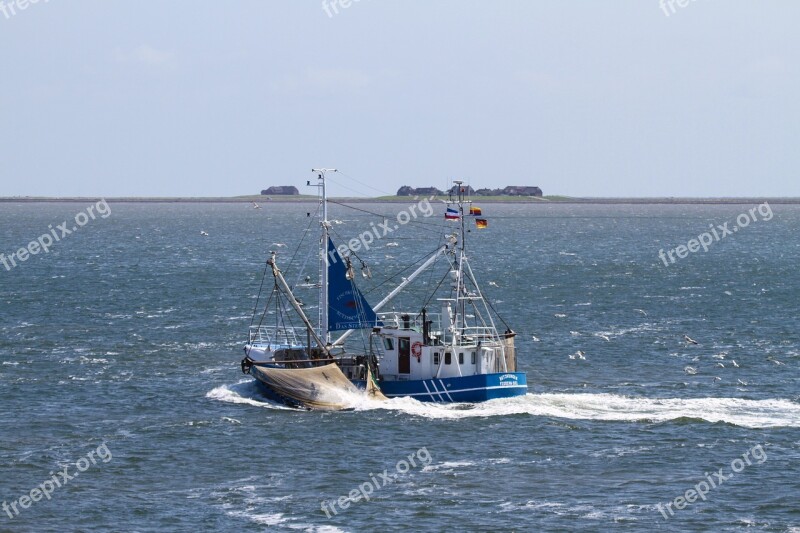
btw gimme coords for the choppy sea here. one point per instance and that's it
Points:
(124, 408)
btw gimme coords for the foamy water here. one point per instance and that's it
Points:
(601, 407)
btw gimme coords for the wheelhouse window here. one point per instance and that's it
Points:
(461, 358)
(436, 358)
(448, 358)
(388, 343)
(473, 358)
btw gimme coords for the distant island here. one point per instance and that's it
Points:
(305, 198)
(512, 190)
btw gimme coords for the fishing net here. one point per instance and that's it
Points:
(324, 387)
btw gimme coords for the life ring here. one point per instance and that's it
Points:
(416, 351)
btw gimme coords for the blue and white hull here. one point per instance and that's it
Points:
(466, 389)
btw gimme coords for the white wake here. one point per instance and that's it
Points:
(601, 407)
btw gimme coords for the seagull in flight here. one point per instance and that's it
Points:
(689, 340)
(203, 233)
(256, 206)
(690, 370)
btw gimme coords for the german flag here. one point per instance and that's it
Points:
(475, 211)
(481, 223)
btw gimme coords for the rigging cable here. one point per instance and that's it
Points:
(297, 250)
(258, 298)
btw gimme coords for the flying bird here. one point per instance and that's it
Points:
(689, 340)
(256, 206)
(690, 370)
(203, 233)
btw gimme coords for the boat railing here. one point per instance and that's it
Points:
(399, 320)
(275, 335)
(439, 334)
(473, 334)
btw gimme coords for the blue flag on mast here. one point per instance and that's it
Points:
(347, 307)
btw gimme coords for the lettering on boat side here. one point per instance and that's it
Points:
(419, 459)
(508, 380)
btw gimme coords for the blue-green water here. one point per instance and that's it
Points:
(129, 333)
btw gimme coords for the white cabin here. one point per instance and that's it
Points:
(408, 355)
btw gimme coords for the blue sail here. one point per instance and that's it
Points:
(347, 307)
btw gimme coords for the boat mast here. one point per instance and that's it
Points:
(323, 246)
(460, 197)
(461, 302)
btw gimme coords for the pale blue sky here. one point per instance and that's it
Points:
(584, 98)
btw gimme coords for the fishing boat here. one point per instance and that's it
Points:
(454, 354)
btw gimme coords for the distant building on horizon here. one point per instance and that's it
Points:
(281, 190)
(525, 190)
(405, 190)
